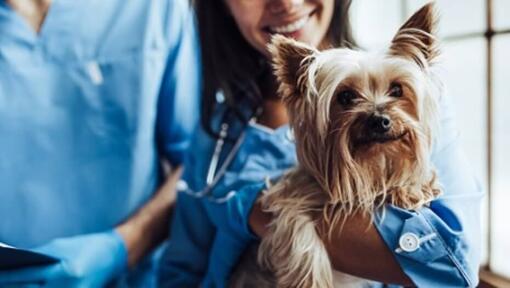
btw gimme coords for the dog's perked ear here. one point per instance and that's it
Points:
(415, 39)
(290, 61)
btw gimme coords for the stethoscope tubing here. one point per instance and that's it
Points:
(214, 174)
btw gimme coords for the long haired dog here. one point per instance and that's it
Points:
(363, 126)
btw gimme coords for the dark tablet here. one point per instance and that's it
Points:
(14, 258)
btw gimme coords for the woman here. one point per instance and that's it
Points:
(244, 140)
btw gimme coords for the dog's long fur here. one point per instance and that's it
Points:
(341, 170)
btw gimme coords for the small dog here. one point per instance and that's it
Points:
(363, 125)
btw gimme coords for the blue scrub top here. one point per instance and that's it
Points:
(87, 106)
(210, 230)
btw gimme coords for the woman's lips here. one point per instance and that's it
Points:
(291, 27)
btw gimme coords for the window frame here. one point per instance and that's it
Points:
(487, 277)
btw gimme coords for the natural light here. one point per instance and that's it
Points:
(464, 33)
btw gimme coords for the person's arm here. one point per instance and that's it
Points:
(359, 250)
(146, 229)
(179, 98)
(451, 255)
(178, 107)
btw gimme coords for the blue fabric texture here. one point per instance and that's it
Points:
(209, 232)
(87, 107)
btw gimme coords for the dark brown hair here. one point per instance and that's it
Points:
(233, 66)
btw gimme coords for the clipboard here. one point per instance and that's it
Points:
(16, 258)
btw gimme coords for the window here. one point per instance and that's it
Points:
(475, 32)
(500, 194)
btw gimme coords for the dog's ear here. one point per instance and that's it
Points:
(290, 62)
(415, 39)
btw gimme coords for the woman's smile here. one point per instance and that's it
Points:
(289, 27)
(304, 20)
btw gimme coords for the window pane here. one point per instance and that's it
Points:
(456, 16)
(500, 197)
(465, 79)
(375, 23)
(501, 11)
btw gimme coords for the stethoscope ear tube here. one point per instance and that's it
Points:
(215, 158)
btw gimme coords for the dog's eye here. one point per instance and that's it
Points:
(346, 97)
(396, 90)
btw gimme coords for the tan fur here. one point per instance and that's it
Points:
(416, 39)
(339, 172)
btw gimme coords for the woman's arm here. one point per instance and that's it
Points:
(358, 250)
(450, 259)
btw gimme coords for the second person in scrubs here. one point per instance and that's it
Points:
(92, 95)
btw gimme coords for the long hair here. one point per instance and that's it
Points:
(231, 65)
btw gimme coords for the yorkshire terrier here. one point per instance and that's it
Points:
(363, 125)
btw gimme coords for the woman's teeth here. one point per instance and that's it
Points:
(291, 27)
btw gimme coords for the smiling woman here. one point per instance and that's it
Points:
(306, 21)
(434, 246)
(227, 70)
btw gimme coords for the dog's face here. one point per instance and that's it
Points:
(362, 120)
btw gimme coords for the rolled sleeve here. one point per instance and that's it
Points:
(178, 104)
(439, 245)
(239, 208)
(440, 258)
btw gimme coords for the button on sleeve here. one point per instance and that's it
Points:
(427, 251)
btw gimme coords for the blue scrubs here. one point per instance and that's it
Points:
(436, 246)
(87, 107)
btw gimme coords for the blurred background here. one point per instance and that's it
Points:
(475, 38)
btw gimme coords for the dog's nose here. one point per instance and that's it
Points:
(379, 123)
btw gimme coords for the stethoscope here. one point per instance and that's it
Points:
(215, 173)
